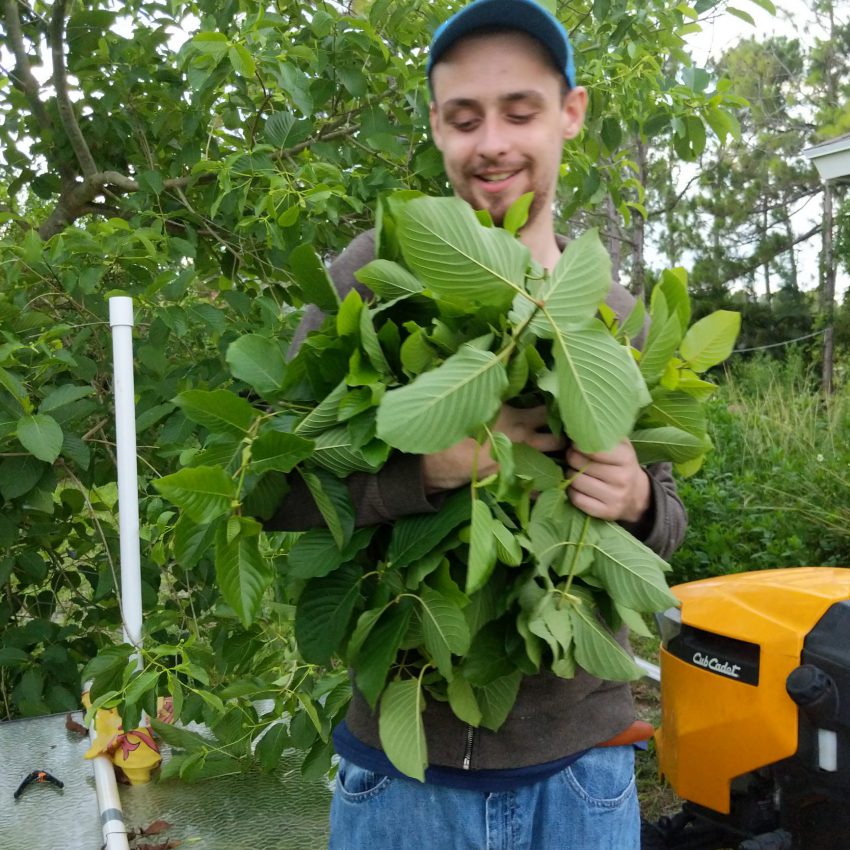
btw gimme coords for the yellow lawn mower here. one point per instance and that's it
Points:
(755, 702)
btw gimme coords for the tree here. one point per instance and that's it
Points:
(209, 179)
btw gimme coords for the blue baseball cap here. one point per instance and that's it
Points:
(524, 15)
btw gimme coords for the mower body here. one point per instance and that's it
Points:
(755, 697)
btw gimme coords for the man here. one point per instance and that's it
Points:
(504, 102)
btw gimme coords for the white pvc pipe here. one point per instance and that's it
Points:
(108, 802)
(121, 322)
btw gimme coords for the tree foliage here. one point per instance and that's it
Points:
(205, 158)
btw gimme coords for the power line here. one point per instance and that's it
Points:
(777, 344)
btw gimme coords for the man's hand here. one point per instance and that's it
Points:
(609, 485)
(453, 467)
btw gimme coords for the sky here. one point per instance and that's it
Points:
(720, 34)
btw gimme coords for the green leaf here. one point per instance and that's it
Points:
(324, 612)
(401, 729)
(517, 214)
(313, 277)
(378, 651)
(740, 13)
(12, 657)
(634, 323)
(371, 344)
(258, 361)
(203, 492)
(595, 648)
(388, 280)
(325, 415)
(532, 464)
(18, 475)
(284, 130)
(460, 261)
(140, 685)
(573, 293)
(661, 343)
(314, 554)
(677, 409)
(191, 541)
(241, 571)
(710, 340)
(177, 736)
(444, 629)
(445, 405)
(463, 702)
(482, 547)
(497, 698)
(668, 444)
(41, 436)
(334, 450)
(415, 536)
(596, 386)
(270, 747)
(219, 411)
(633, 575)
(334, 502)
(674, 285)
(277, 450)
(66, 394)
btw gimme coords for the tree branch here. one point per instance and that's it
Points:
(23, 76)
(755, 262)
(63, 101)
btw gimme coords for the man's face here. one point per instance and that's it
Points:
(500, 119)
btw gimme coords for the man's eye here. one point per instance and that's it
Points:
(464, 126)
(521, 118)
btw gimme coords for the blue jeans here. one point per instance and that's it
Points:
(590, 805)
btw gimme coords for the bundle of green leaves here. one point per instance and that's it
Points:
(507, 578)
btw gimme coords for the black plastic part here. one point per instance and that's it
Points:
(815, 692)
(723, 656)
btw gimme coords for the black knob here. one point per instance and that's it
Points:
(815, 692)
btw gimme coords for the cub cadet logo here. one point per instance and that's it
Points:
(717, 666)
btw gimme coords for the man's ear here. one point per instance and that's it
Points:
(574, 108)
(436, 126)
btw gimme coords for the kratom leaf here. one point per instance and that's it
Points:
(573, 293)
(445, 405)
(243, 574)
(462, 701)
(324, 415)
(633, 324)
(633, 620)
(633, 575)
(460, 261)
(596, 387)
(276, 450)
(541, 470)
(62, 396)
(400, 727)
(444, 629)
(41, 436)
(334, 503)
(219, 411)
(496, 700)
(517, 214)
(677, 409)
(324, 612)
(371, 344)
(388, 280)
(667, 443)
(203, 492)
(333, 450)
(417, 354)
(595, 648)
(313, 278)
(258, 361)
(674, 285)
(662, 342)
(482, 547)
(314, 554)
(415, 536)
(710, 340)
(378, 650)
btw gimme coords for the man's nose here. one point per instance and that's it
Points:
(493, 142)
